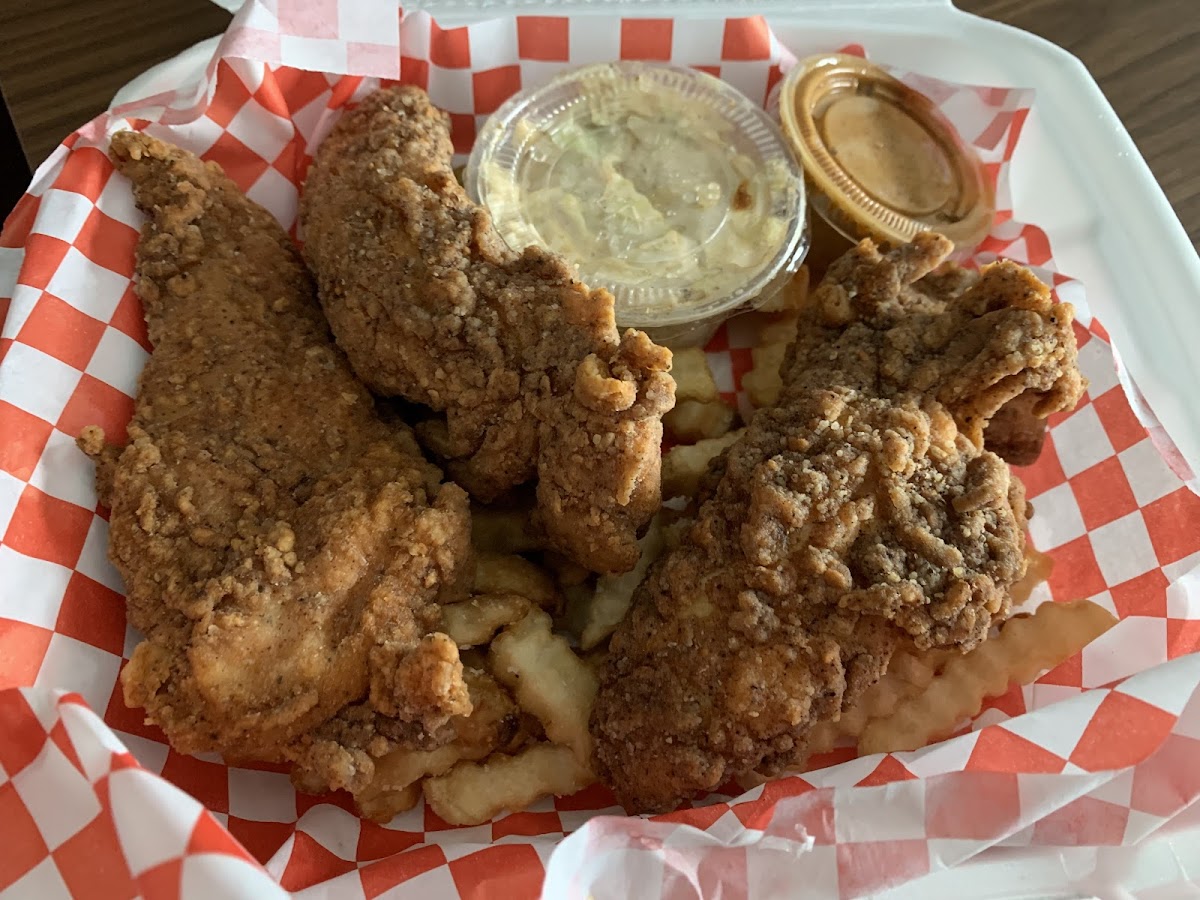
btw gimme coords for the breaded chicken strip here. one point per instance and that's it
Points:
(525, 363)
(282, 548)
(858, 512)
(1016, 432)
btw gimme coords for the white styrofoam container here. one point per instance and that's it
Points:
(1078, 175)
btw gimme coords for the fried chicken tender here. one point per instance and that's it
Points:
(1016, 432)
(524, 361)
(859, 512)
(283, 549)
(913, 330)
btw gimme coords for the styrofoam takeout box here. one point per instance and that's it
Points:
(1077, 175)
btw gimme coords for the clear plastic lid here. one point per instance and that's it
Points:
(881, 160)
(664, 185)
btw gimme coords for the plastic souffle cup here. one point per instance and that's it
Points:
(880, 160)
(664, 185)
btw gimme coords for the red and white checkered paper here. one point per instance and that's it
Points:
(1100, 751)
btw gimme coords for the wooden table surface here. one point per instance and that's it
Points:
(62, 60)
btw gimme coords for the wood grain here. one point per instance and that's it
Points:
(1146, 58)
(62, 60)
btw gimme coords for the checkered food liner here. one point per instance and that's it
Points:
(1099, 752)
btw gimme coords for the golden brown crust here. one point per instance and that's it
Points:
(281, 547)
(972, 343)
(525, 363)
(858, 512)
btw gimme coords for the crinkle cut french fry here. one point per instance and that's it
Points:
(385, 804)
(1025, 646)
(507, 573)
(473, 622)
(763, 383)
(692, 420)
(394, 787)
(792, 296)
(1038, 567)
(397, 782)
(693, 378)
(614, 593)
(401, 768)
(547, 679)
(909, 672)
(684, 465)
(472, 793)
(781, 330)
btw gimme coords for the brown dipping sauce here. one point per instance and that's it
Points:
(881, 161)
